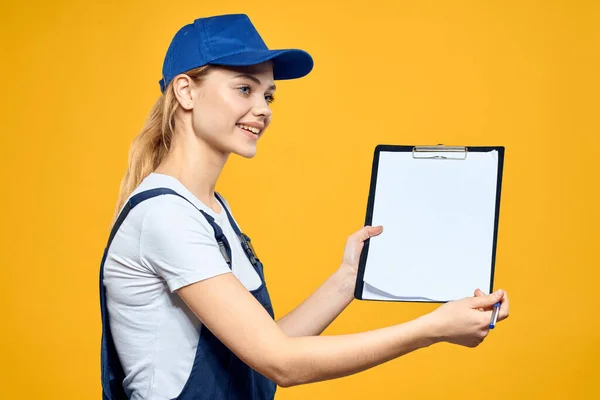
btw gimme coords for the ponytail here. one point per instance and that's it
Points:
(152, 144)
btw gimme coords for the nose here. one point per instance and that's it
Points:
(262, 109)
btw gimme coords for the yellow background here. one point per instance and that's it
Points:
(78, 79)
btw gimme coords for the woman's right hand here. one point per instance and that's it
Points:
(466, 322)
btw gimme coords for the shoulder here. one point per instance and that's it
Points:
(168, 213)
(178, 243)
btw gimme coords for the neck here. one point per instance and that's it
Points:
(196, 165)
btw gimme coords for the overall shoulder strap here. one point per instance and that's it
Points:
(235, 227)
(244, 239)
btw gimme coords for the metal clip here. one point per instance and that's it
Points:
(452, 152)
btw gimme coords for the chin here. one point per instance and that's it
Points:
(246, 153)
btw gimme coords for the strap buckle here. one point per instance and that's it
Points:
(223, 250)
(248, 248)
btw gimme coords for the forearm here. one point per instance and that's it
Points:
(313, 359)
(315, 314)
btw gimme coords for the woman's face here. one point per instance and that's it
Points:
(232, 107)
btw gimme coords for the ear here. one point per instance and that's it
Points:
(182, 87)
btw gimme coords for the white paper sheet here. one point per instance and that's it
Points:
(438, 220)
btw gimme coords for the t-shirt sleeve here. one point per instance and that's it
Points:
(178, 244)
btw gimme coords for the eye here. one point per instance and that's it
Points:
(245, 89)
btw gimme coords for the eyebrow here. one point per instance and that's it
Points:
(254, 79)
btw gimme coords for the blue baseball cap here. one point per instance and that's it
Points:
(228, 40)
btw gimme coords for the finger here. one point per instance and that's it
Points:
(486, 317)
(369, 231)
(503, 312)
(375, 230)
(487, 301)
(479, 293)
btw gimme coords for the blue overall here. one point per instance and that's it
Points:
(217, 373)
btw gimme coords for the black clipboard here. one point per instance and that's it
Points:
(443, 154)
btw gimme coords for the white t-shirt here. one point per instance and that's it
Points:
(163, 245)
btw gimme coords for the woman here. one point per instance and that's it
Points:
(185, 309)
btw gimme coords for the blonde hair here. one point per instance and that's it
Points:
(152, 144)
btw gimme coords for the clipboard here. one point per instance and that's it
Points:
(440, 209)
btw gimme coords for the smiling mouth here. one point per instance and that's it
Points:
(251, 129)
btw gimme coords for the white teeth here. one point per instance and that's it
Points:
(250, 128)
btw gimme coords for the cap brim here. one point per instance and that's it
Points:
(287, 64)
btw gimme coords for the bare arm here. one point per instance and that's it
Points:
(315, 314)
(226, 307)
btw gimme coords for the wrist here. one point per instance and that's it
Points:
(432, 330)
(346, 278)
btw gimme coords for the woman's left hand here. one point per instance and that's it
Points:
(353, 249)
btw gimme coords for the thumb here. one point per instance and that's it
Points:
(369, 231)
(487, 301)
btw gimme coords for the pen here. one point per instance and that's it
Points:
(495, 315)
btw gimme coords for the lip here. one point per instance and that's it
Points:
(253, 125)
(249, 134)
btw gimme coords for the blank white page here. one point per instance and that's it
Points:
(438, 227)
